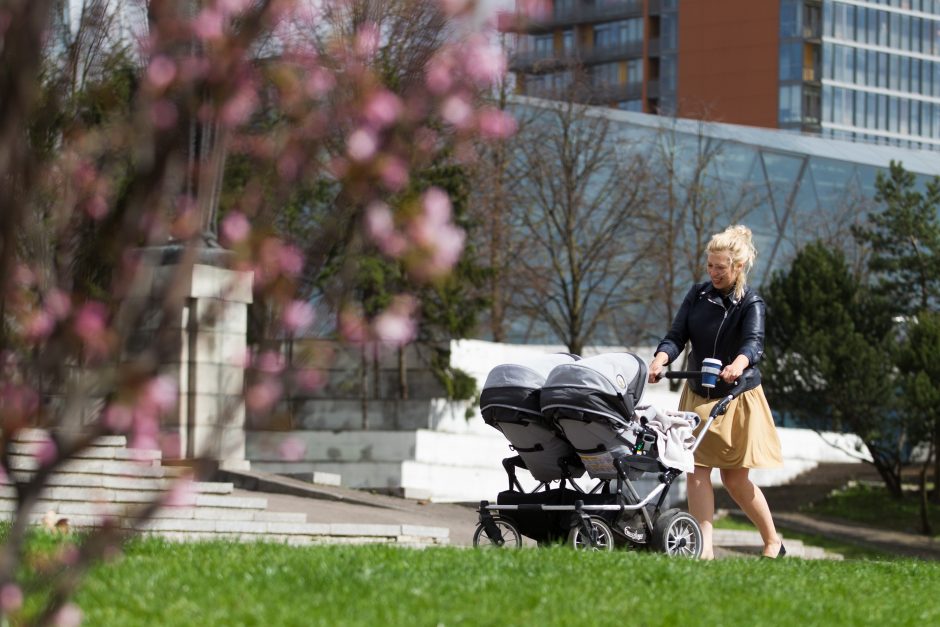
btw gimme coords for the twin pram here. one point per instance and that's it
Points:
(566, 417)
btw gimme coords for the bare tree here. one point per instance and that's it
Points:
(687, 205)
(577, 199)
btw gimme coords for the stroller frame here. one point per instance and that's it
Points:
(594, 531)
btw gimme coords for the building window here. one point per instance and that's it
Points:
(567, 41)
(544, 45)
(667, 73)
(789, 18)
(634, 71)
(789, 106)
(605, 74)
(791, 61)
(619, 33)
(631, 105)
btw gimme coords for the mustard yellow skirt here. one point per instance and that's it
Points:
(743, 437)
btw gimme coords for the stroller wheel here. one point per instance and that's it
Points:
(678, 533)
(508, 536)
(577, 538)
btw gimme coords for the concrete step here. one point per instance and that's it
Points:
(94, 466)
(31, 448)
(41, 435)
(78, 480)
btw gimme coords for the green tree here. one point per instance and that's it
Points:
(829, 357)
(904, 261)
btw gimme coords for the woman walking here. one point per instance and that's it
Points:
(723, 318)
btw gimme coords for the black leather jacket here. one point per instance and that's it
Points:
(720, 327)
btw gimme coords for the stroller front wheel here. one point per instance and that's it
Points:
(502, 535)
(678, 533)
(604, 536)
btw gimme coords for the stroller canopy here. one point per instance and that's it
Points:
(515, 387)
(611, 384)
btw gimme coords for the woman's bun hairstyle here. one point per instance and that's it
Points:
(738, 241)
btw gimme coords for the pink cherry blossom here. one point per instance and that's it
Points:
(394, 173)
(271, 362)
(456, 111)
(361, 145)
(161, 393)
(352, 327)
(290, 260)
(182, 494)
(39, 325)
(161, 72)
(436, 204)
(496, 124)
(208, 24)
(292, 449)
(382, 108)
(239, 107)
(380, 227)
(118, 418)
(310, 379)
(439, 76)
(68, 616)
(297, 316)
(485, 62)
(262, 396)
(58, 303)
(235, 227)
(397, 325)
(45, 451)
(367, 40)
(96, 207)
(11, 598)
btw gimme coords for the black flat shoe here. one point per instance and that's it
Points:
(781, 553)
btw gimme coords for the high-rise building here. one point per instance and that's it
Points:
(864, 70)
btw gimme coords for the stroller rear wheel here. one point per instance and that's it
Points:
(508, 536)
(678, 533)
(577, 538)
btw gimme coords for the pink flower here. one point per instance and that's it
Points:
(162, 393)
(96, 207)
(380, 227)
(290, 260)
(161, 72)
(68, 616)
(394, 173)
(58, 303)
(235, 227)
(438, 77)
(11, 598)
(310, 379)
(208, 24)
(39, 326)
(271, 362)
(382, 109)
(239, 107)
(352, 327)
(46, 452)
(292, 449)
(297, 316)
(436, 204)
(319, 83)
(367, 40)
(182, 494)
(456, 111)
(484, 62)
(261, 397)
(171, 445)
(91, 326)
(496, 124)
(396, 325)
(361, 145)
(118, 418)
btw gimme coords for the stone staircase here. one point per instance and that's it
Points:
(111, 481)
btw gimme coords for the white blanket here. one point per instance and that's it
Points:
(674, 440)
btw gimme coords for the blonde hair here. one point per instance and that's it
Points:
(738, 242)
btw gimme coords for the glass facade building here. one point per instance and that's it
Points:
(789, 188)
(863, 70)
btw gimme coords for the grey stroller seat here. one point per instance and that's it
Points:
(510, 402)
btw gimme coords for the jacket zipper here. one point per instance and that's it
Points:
(708, 392)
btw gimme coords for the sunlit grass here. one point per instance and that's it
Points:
(264, 584)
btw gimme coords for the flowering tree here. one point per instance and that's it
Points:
(128, 155)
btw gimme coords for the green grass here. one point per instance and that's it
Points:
(263, 584)
(846, 549)
(870, 505)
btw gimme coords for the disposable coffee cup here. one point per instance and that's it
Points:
(711, 368)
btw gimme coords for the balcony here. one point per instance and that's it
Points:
(633, 49)
(616, 93)
(572, 15)
(812, 74)
(652, 88)
(533, 61)
(652, 48)
(656, 7)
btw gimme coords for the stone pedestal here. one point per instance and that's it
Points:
(210, 315)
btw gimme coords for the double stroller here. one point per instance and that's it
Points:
(566, 417)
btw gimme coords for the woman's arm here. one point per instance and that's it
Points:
(674, 342)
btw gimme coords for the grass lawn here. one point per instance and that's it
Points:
(156, 583)
(870, 505)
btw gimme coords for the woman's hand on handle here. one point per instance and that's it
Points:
(733, 371)
(657, 367)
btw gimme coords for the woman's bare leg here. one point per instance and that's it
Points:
(752, 502)
(702, 506)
